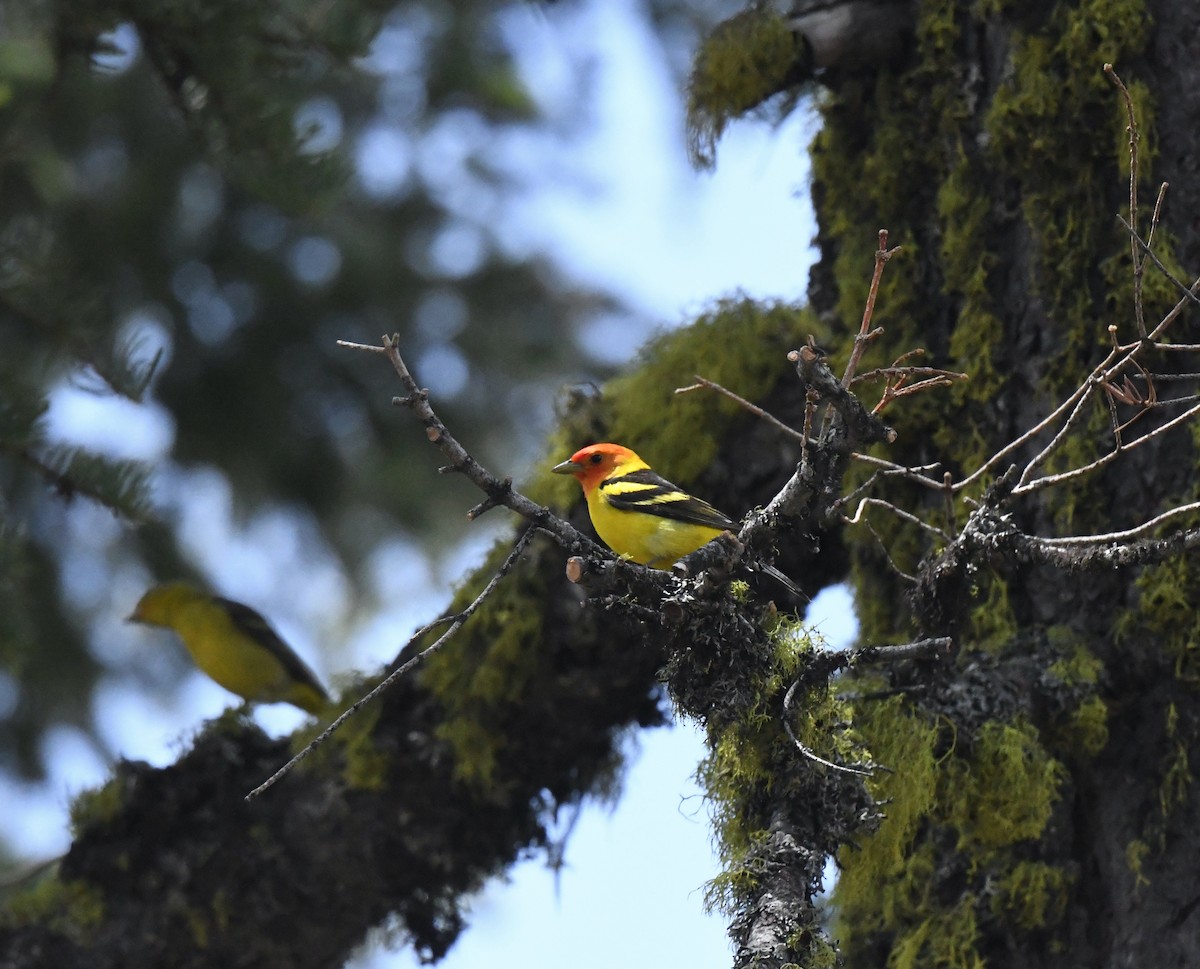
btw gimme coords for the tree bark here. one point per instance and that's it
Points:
(994, 153)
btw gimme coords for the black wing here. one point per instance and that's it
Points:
(251, 622)
(653, 494)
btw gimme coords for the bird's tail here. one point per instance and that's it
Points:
(784, 581)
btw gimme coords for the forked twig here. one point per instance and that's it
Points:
(1189, 292)
(1053, 479)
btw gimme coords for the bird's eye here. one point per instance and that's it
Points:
(596, 458)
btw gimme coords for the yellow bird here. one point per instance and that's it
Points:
(642, 516)
(234, 645)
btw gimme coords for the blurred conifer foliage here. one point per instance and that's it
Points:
(197, 198)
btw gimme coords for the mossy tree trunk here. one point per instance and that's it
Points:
(1058, 825)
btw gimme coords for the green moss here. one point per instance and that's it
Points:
(736, 882)
(73, 908)
(1081, 665)
(1136, 853)
(992, 623)
(479, 675)
(1177, 773)
(97, 806)
(947, 939)
(883, 877)
(680, 432)
(820, 953)
(365, 766)
(1005, 790)
(197, 923)
(742, 61)
(1167, 611)
(1085, 730)
(1032, 895)
(1044, 124)
(1000, 795)
(223, 911)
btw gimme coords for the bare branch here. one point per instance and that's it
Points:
(892, 469)
(825, 664)
(1058, 439)
(1069, 404)
(863, 770)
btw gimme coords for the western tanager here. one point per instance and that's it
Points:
(233, 644)
(642, 516)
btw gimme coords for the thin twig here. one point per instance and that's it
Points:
(865, 333)
(500, 492)
(1136, 241)
(1060, 436)
(900, 470)
(906, 515)
(1125, 535)
(456, 623)
(1179, 347)
(861, 771)
(742, 402)
(1158, 204)
(1166, 378)
(894, 368)
(906, 576)
(1017, 442)
(1053, 479)
(899, 389)
(1138, 264)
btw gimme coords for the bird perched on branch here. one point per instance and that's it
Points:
(234, 645)
(642, 516)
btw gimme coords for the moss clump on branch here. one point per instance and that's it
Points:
(754, 768)
(742, 62)
(683, 432)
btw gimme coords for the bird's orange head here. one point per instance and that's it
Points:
(594, 463)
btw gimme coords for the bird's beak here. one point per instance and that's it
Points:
(567, 467)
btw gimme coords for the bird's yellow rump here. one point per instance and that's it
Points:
(234, 645)
(642, 516)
